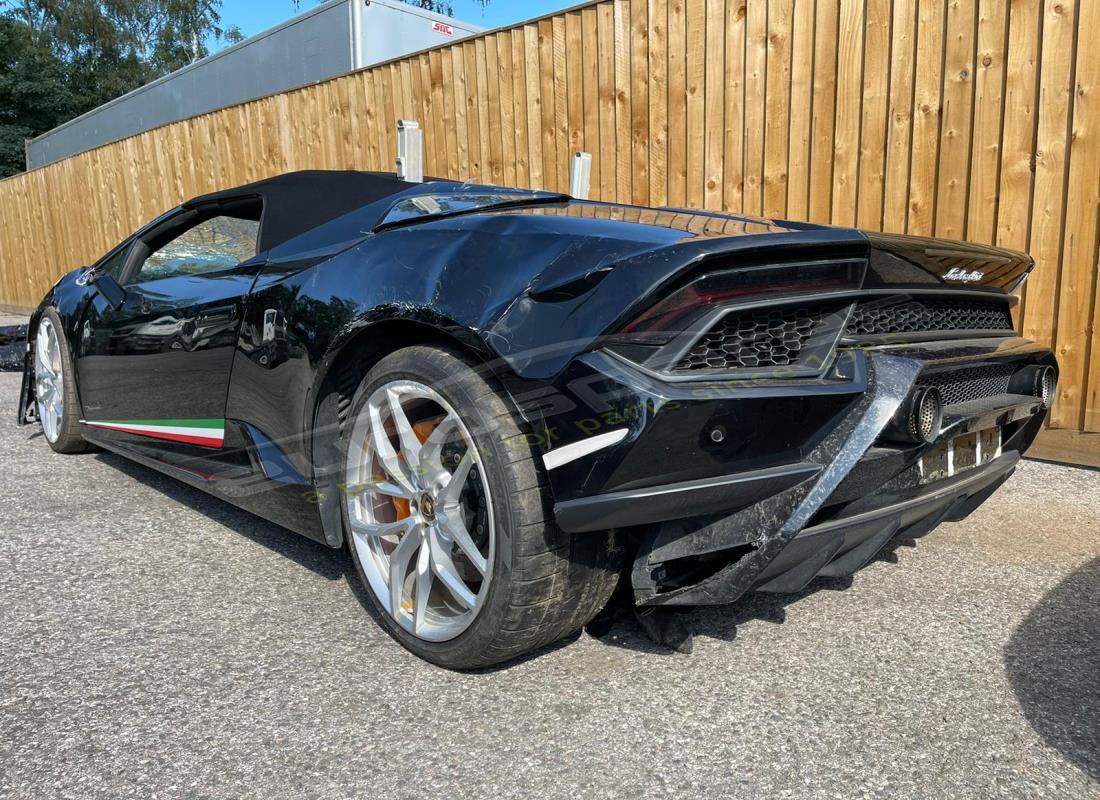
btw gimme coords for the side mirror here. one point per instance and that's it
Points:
(108, 288)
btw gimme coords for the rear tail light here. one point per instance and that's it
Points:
(684, 306)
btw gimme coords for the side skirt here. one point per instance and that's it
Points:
(279, 496)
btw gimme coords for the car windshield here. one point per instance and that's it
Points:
(434, 205)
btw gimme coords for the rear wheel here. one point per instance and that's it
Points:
(447, 518)
(55, 387)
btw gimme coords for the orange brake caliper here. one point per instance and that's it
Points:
(422, 430)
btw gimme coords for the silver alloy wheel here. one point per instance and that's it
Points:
(420, 511)
(49, 386)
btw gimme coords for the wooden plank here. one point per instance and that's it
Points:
(873, 127)
(388, 119)
(459, 114)
(10, 297)
(900, 122)
(322, 144)
(926, 118)
(1078, 287)
(714, 131)
(777, 127)
(1040, 300)
(473, 114)
(733, 148)
(482, 101)
(519, 107)
(802, 103)
(20, 210)
(561, 110)
(657, 122)
(624, 163)
(606, 51)
(1018, 137)
(695, 153)
(590, 92)
(345, 130)
(533, 106)
(756, 68)
(494, 101)
(1092, 386)
(452, 166)
(409, 105)
(574, 80)
(677, 103)
(826, 27)
(849, 83)
(639, 101)
(440, 121)
(953, 182)
(989, 79)
(506, 81)
(354, 88)
(545, 38)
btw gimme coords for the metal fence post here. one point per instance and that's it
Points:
(410, 151)
(580, 175)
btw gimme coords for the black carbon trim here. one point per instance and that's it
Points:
(679, 500)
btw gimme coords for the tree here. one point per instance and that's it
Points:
(61, 58)
(32, 92)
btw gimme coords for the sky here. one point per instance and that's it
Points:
(253, 16)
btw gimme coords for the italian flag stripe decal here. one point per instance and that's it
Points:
(206, 432)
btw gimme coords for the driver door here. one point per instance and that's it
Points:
(157, 368)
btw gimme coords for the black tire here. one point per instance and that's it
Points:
(546, 584)
(68, 439)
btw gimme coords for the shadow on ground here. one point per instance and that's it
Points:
(1053, 664)
(331, 564)
(721, 622)
(324, 561)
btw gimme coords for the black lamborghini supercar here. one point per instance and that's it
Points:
(506, 403)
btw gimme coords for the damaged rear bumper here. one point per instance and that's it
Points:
(839, 547)
(841, 490)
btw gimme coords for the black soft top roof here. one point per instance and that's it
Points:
(299, 201)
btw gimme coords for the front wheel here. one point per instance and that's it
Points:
(447, 518)
(55, 387)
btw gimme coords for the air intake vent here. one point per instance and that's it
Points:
(878, 318)
(761, 338)
(972, 383)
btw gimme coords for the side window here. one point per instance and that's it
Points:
(217, 243)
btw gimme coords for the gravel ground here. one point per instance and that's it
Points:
(155, 642)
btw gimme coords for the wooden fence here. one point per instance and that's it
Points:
(968, 119)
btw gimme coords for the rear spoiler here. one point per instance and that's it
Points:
(910, 261)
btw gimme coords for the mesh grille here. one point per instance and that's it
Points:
(973, 383)
(775, 337)
(765, 337)
(932, 314)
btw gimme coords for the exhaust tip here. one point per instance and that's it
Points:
(919, 420)
(926, 415)
(1039, 381)
(1046, 386)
